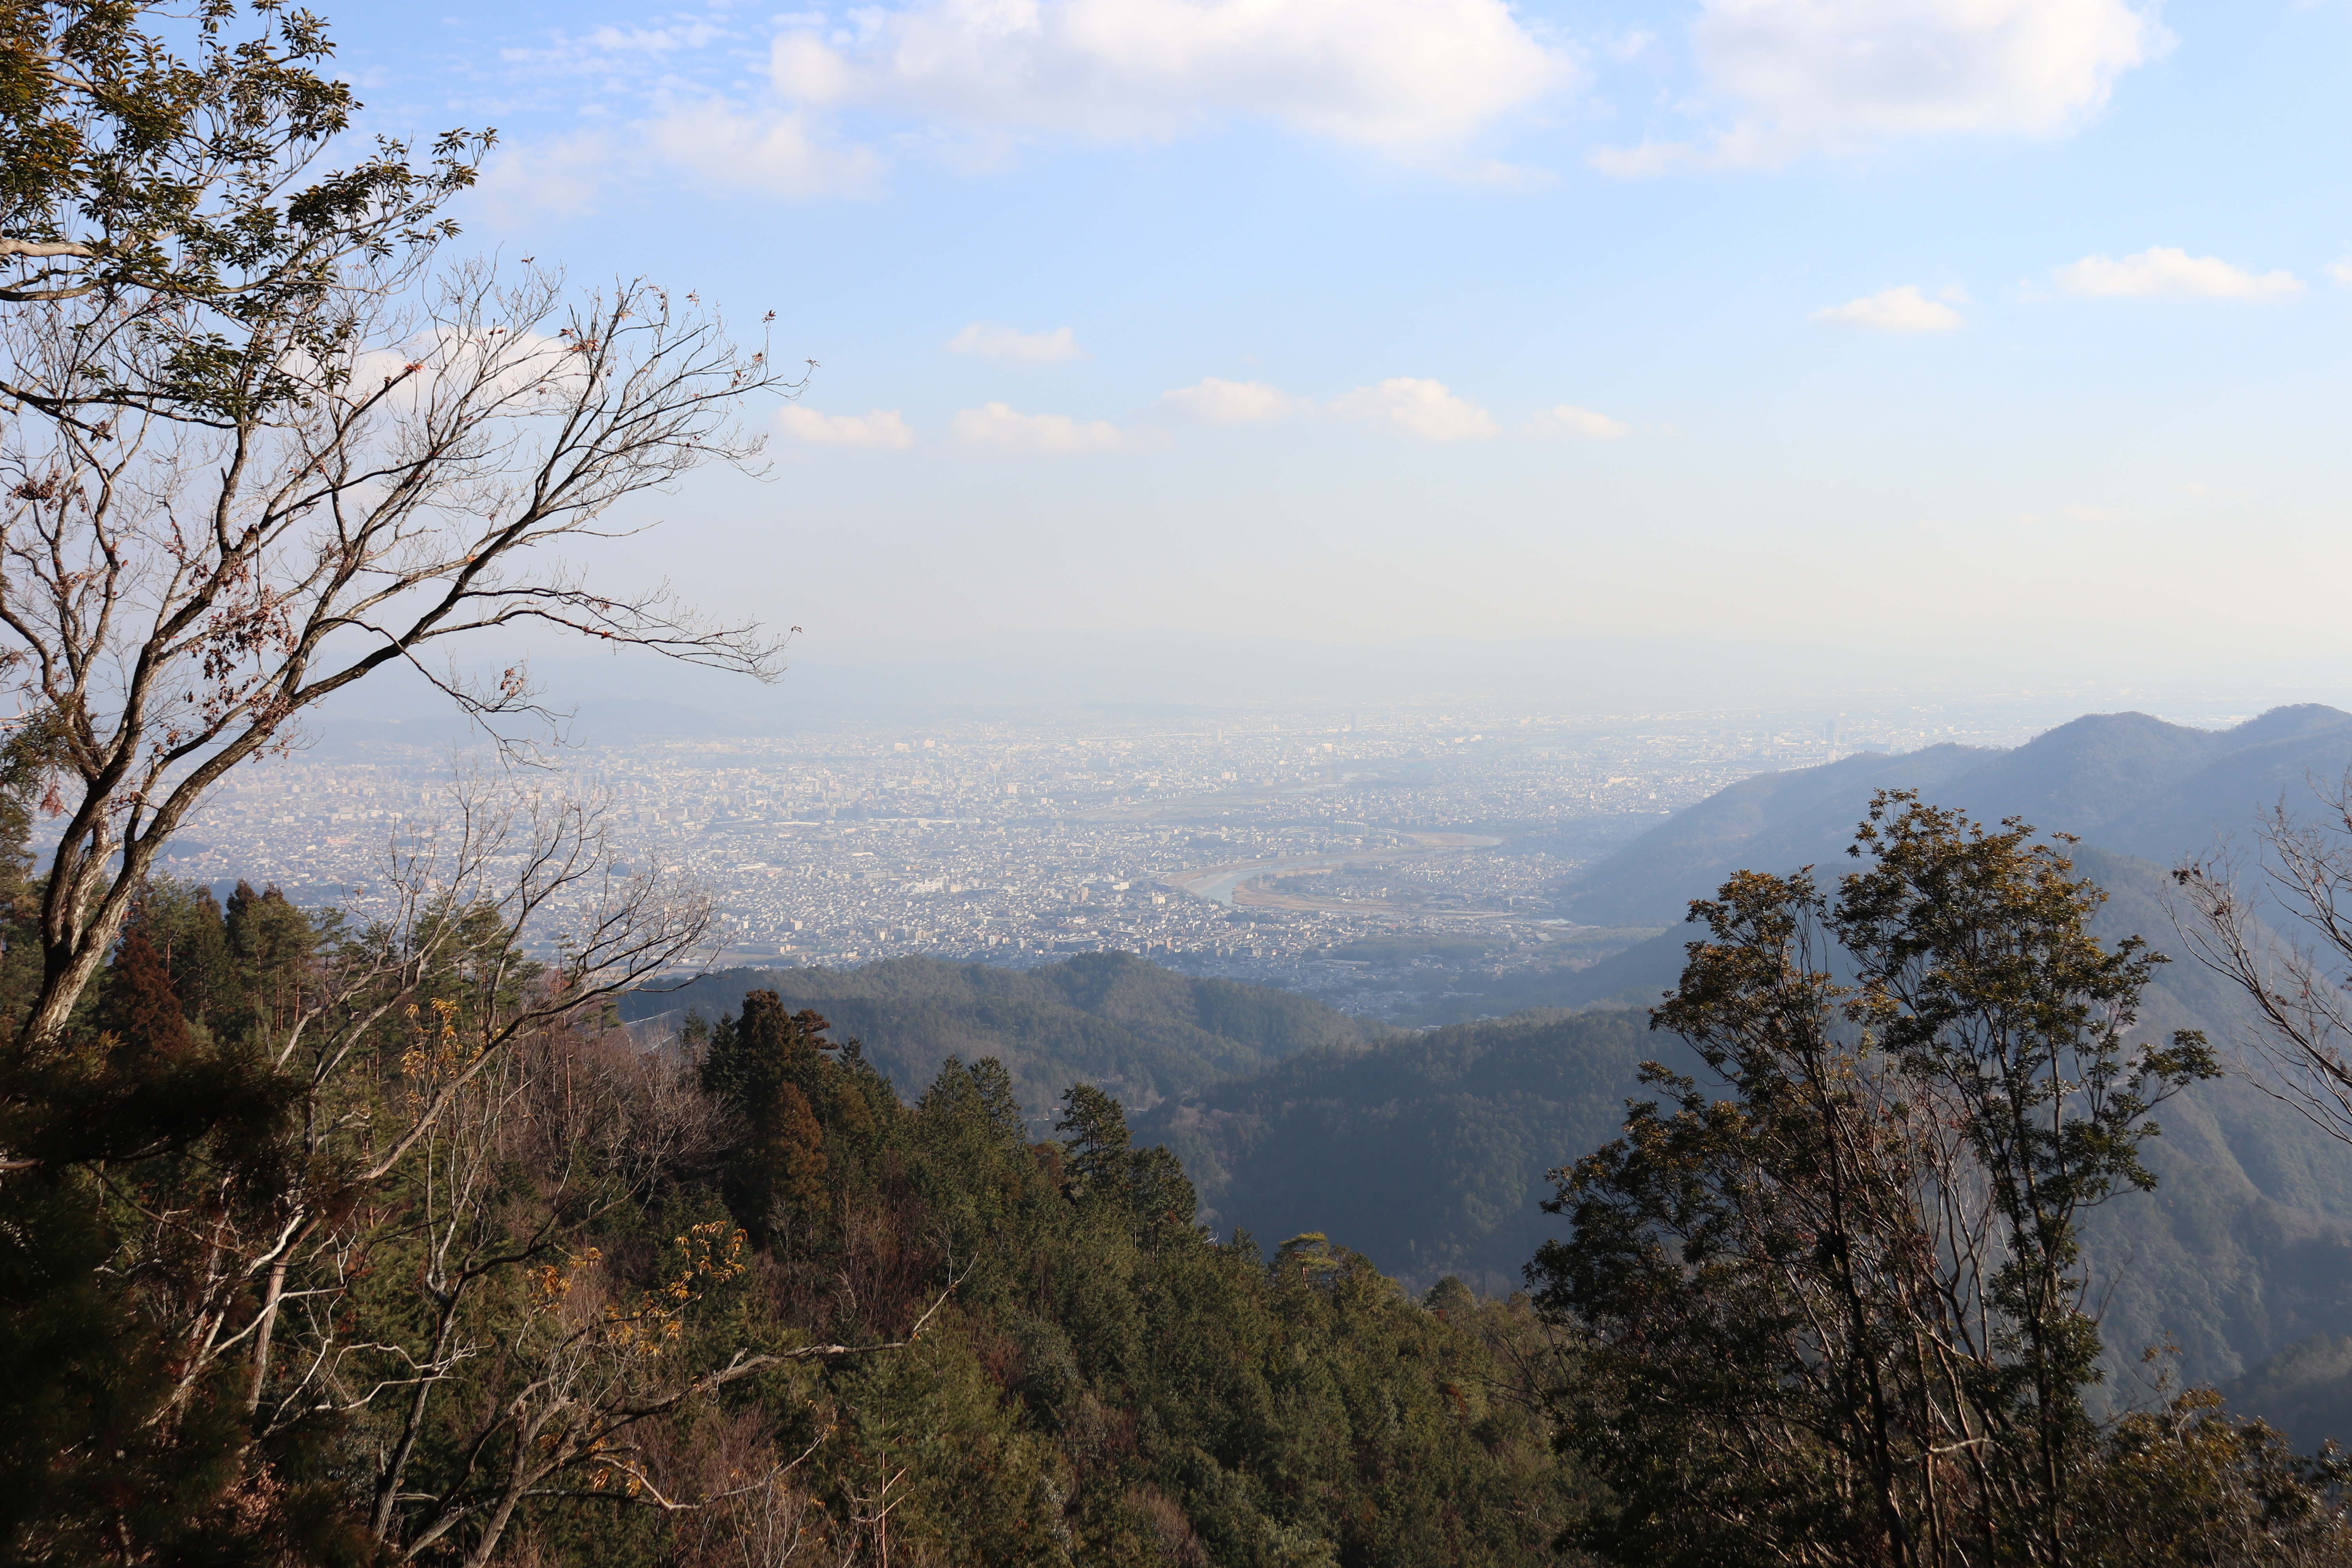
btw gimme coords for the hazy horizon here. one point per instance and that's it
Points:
(1043, 671)
(1907, 333)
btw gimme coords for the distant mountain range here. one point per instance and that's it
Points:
(2124, 784)
(2124, 781)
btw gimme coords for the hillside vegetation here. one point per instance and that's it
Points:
(1427, 1153)
(2243, 1251)
(805, 1313)
(1137, 1030)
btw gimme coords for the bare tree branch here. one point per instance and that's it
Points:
(173, 597)
(2299, 1038)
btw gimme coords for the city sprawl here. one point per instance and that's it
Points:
(1366, 856)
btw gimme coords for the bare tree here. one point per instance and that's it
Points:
(2295, 978)
(459, 1118)
(231, 1255)
(761, 1513)
(543, 1370)
(172, 595)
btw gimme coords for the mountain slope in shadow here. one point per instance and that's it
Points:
(1138, 1030)
(2126, 782)
(1430, 1153)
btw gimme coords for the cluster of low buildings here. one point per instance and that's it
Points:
(1281, 847)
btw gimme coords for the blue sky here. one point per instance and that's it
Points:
(1933, 326)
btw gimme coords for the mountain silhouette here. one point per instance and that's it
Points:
(2124, 782)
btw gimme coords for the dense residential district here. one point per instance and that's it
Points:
(1363, 856)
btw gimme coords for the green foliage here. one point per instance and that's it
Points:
(765, 1068)
(951, 1344)
(179, 189)
(113, 1448)
(1105, 1382)
(1980, 976)
(1842, 1294)
(741, 1301)
(85, 1466)
(1101, 1167)
(1108, 1018)
(1427, 1151)
(2185, 1484)
(1096, 1153)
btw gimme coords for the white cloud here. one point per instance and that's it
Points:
(1386, 72)
(1215, 401)
(611, 53)
(1803, 74)
(1567, 419)
(774, 151)
(995, 427)
(1904, 310)
(724, 143)
(1649, 159)
(657, 41)
(1422, 408)
(558, 178)
(2341, 271)
(990, 340)
(883, 428)
(2166, 271)
(516, 369)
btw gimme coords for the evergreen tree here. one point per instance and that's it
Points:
(769, 1068)
(1095, 1149)
(189, 932)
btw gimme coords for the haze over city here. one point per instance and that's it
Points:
(1332, 851)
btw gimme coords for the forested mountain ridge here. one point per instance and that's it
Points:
(2124, 782)
(2245, 1250)
(812, 1315)
(1430, 1156)
(1134, 1029)
(1427, 1153)
(1063, 1366)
